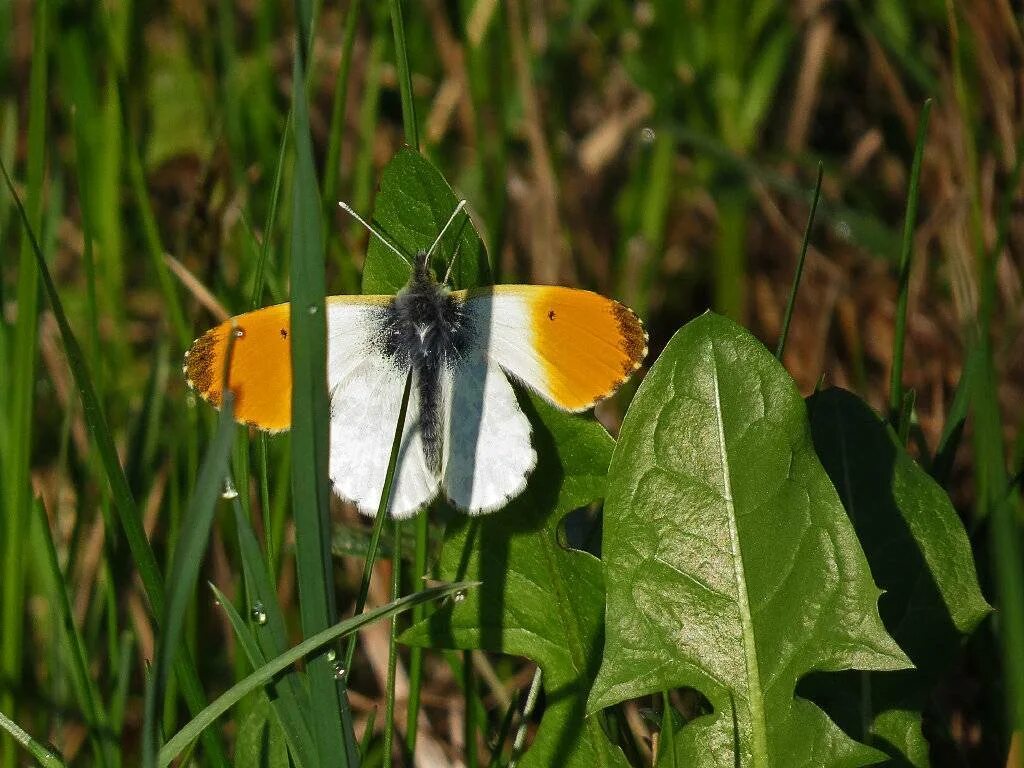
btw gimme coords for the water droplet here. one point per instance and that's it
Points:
(259, 613)
(312, 309)
(459, 596)
(229, 491)
(339, 671)
(216, 603)
(332, 655)
(647, 136)
(239, 333)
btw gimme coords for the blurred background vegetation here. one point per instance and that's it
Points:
(662, 152)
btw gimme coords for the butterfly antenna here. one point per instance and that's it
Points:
(348, 209)
(444, 229)
(451, 263)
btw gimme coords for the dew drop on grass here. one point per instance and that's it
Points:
(312, 309)
(229, 492)
(338, 670)
(647, 136)
(331, 655)
(259, 613)
(459, 596)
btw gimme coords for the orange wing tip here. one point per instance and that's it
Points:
(633, 344)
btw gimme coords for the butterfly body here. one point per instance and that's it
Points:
(426, 329)
(465, 434)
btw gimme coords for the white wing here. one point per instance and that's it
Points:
(487, 452)
(366, 395)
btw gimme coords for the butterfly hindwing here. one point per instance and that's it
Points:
(365, 403)
(488, 454)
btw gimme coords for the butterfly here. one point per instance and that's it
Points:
(465, 433)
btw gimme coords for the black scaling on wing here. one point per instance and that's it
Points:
(429, 330)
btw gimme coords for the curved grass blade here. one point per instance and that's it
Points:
(290, 696)
(906, 250)
(799, 266)
(412, 135)
(177, 743)
(286, 714)
(131, 520)
(88, 693)
(43, 754)
(188, 556)
(20, 388)
(332, 727)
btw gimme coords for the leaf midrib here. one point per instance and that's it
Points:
(755, 698)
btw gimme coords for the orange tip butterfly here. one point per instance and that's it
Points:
(464, 432)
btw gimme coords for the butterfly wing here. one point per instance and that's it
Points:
(261, 374)
(487, 455)
(573, 347)
(364, 413)
(365, 390)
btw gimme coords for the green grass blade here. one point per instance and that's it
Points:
(419, 569)
(503, 732)
(86, 690)
(301, 749)
(151, 232)
(188, 557)
(291, 699)
(43, 755)
(271, 669)
(332, 723)
(20, 394)
(412, 135)
(781, 348)
(896, 374)
(268, 226)
(131, 520)
(953, 428)
(331, 169)
(389, 691)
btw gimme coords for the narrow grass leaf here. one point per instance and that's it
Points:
(906, 252)
(725, 540)
(131, 520)
(260, 677)
(188, 557)
(412, 135)
(799, 266)
(290, 694)
(268, 226)
(21, 386)
(89, 697)
(43, 755)
(331, 722)
(283, 708)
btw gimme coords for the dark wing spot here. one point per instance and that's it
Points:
(199, 363)
(551, 314)
(633, 339)
(284, 333)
